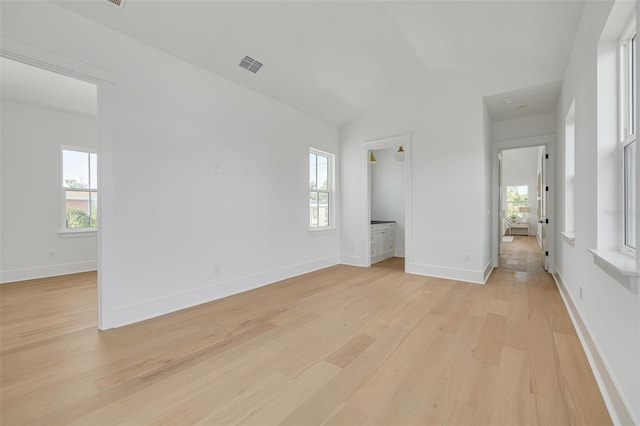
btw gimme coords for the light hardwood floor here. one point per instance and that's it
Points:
(341, 346)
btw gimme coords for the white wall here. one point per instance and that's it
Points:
(451, 169)
(387, 193)
(209, 180)
(31, 140)
(520, 167)
(536, 125)
(608, 311)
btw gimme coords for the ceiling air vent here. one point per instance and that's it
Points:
(250, 64)
(117, 3)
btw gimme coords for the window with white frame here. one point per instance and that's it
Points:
(320, 189)
(80, 188)
(628, 133)
(517, 196)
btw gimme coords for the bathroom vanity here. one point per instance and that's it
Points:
(383, 240)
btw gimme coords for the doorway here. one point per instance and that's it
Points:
(65, 99)
(387, 166)
(523, 208)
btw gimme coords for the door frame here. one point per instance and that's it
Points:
(548, 141)
(384, 143)
(104, 80)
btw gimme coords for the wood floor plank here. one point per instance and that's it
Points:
(489, 345)
(577, 382)
(350, 350)
(343, 345)
(348, 415)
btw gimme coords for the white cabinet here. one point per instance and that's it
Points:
(383, 241)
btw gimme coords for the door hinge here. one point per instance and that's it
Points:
(546, 253)
(546, 156)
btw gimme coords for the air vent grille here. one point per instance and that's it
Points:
(250, 64)
(117, 3)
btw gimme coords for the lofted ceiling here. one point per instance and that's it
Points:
(334, 59)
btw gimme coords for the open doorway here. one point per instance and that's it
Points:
(523, 209)
(388, 200)
(50, 193)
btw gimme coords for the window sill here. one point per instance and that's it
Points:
(321, 230)
(619, 265)
(569, 238)
(77, 233)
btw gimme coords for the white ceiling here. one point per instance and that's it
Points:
(27, 84)
(528, 101)
(334, 59)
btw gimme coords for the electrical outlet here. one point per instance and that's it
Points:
(467, 258)
(52, 255)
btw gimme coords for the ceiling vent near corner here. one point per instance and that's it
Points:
(250, 64)
(117, 3)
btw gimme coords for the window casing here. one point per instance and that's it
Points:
(628, 146)
(321, 198)
(79, 189)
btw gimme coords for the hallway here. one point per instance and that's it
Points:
(523, 254)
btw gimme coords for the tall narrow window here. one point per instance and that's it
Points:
(628, 133)
(80, 188)
(320, 189)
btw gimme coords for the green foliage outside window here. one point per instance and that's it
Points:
(77, 218)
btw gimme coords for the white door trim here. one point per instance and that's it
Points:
(383, 143)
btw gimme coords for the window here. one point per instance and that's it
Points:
(517, 196)
(320, 189)
(80, 188)
(628, 134)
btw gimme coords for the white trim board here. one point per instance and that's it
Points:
(619, 409)
(455, 274)
(47, 271)
(353, 261)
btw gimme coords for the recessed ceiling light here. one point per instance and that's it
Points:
(508, 101)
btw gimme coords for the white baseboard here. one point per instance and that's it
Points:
(47, 271)
(487, 271)
(399, 252)
(135, 312)
(468, 275)
(619, 410)
(353, 261)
